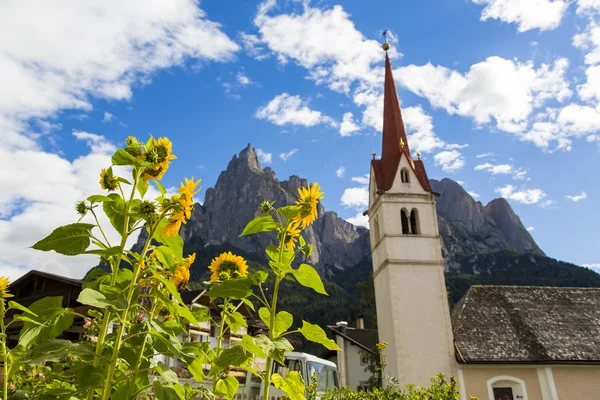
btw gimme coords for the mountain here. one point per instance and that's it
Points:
(480, 244)
(466, 226)
(240, 189)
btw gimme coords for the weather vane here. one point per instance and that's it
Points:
(386, 45)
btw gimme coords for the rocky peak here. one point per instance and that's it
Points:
(247, 159)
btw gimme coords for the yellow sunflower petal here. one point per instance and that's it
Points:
(228, 265)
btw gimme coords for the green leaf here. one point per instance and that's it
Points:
(54, 319)
(292, 385)
(165, 391)
(97, 198)
(174, 242)
(287, 257)
(274, 349)
(69, 240)
(160, 187)
(181, 309)
(94, 298)
(237, 288)
(262, 223)
(166, 373)
(250, 345)
(301, 241)
(53, 350)
(122, 157)
(249, 304)
(230, 357)
(115, 211)
(235, 320)
(196, 368)
(228, 387)
(315, 333)
(288, 212)
(166, 257)
(89, 376)
(283, 321)
(142, 187)
(307, 276)
(259, 276)
(106, 252)
(13, 305)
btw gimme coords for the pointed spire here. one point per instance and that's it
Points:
(393, 125)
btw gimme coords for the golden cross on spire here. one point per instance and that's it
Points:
(401, 143)
(386, 45)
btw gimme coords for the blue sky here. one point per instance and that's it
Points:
(500, 95)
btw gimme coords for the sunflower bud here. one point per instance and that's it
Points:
(81, 208)
(131, 140)
(266, 206)
(108, 180)
(151, 156)
(147, 208)
(307, 250)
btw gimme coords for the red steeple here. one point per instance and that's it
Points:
(394, 140)
(393, 126)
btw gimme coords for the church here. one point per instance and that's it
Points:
(501, 342)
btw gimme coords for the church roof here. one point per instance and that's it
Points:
(527, 324)
(363, 338)
(394, 133)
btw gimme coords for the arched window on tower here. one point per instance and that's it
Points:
(404, 219)
(376, 230)
(404, 175)
(414, 222)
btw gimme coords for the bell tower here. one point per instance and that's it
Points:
(408, 269)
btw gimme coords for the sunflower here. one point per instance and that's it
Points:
(183, 210)
(307, 204)
(107, 180)
(182, 272)
(159, 153)
(226, 266)
(4, 288)
(290, 235)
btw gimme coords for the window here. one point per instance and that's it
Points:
(506, 388)
(404, 219)
(414, 222)
(290, 365)
(404, 175)
(503, 394)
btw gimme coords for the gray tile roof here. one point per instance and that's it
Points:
(527, 324)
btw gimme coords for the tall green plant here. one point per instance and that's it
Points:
(139, 295)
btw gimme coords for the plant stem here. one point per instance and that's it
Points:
(119, 338)
(273, 310)
(219, 343)
(136, 368)
(115, 272)
(4, 355)
(100, 227)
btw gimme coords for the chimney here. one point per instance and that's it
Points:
(341, 326)
(360, 321)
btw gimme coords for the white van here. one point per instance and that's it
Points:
(306, 364)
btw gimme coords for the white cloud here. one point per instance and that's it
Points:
(526, 196)
(285, 109)
(485, 155)
(494, 169)
(474, 195)
(419, 126)
(497, 89)
(340, 172)
(527, 14)
(595, 267)
(590, 90)
(253, 46)
(589, 40)
(577, 197)
(531, 229)
(505, 169)
(242, 79)
(450, 160)
(265, 158)
(285, 156)
(360, 220)
(363, 180)
(29, 212)
(357, 198)
(348, 127)
(65, 55)
(107, 117)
